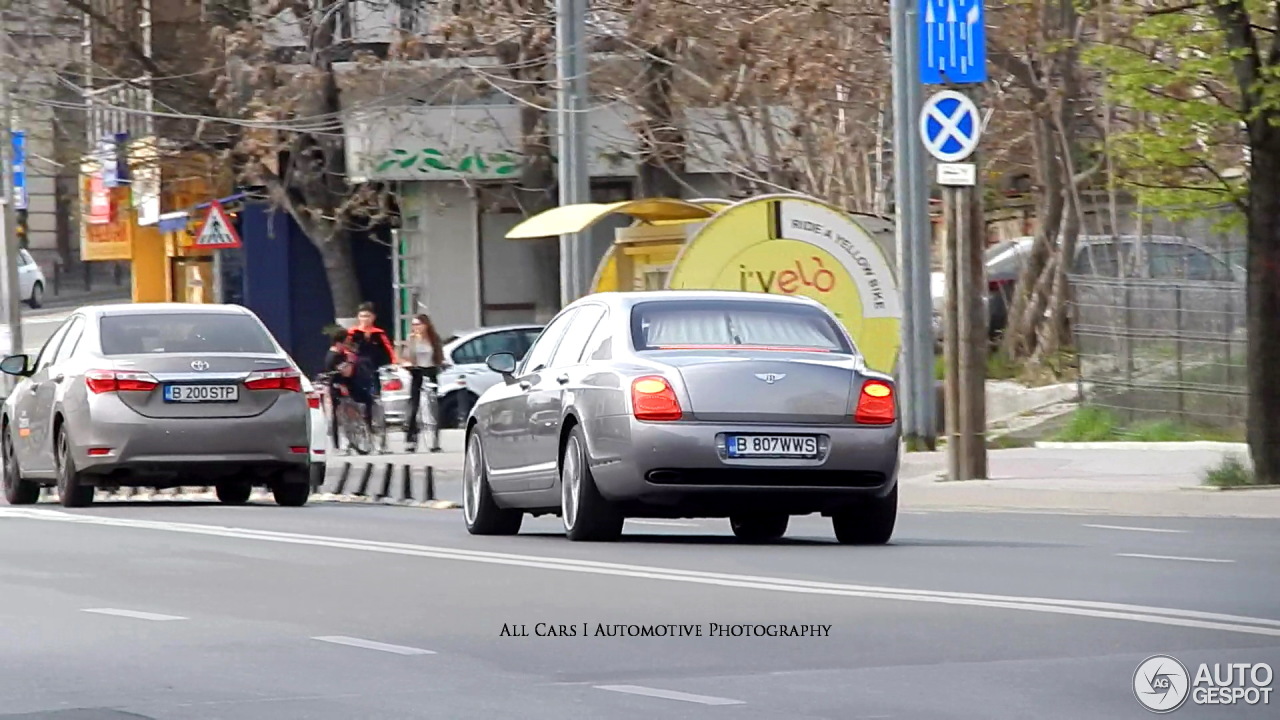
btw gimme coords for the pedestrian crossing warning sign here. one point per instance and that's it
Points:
(217, 230)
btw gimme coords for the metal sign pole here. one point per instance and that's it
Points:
(953, 49)
(8, 234)
(951, 333)
(975, 349)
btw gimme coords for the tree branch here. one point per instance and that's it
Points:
(134, 48)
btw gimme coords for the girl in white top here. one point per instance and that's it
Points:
(423, 356)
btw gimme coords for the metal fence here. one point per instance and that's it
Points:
(1162, 349)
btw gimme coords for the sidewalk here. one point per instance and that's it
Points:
(1130, 481)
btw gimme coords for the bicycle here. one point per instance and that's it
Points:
(429, 413)
(348, 414)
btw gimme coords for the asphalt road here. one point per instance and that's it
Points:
(202, 612)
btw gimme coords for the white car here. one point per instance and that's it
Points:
(319, 433)
(466, 377)
(30, 280)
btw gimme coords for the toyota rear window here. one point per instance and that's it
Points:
(184, 333)
(712, 324)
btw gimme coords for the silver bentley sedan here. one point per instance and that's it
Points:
(160, 395)
(681, 404)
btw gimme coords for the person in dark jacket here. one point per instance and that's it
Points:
(373, 350)
(341, 362)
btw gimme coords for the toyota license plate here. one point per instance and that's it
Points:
(771, 446)
(201, 393)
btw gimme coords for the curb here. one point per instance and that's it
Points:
(1128, 445)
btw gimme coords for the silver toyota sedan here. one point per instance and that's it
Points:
(679, 404)
(158, 395)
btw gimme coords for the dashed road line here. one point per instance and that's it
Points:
(135, 614)
(1133, 529)
(373, 645)
(1144, 556)
(669, 694)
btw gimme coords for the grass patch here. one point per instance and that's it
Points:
(1093, 424)
(1231, 472)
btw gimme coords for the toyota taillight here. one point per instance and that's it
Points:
(313, 400)
(875, 404)
(652, 398)
(105, 381)
(278, 379)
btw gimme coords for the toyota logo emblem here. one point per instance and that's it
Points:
(199, 365)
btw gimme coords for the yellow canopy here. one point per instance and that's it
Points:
(576, 218)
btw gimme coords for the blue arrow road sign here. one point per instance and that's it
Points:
(950, 126)
(953, 42)
(19, 170)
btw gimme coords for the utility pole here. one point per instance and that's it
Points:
(919, 282)
(914, 231)
(900, 30)
(9, 255)
(953, 33)
(571, 132)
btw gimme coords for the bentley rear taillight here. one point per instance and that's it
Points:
(875, 404)
(653, 399)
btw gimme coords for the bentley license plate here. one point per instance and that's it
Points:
(201, 393)
(775, 446)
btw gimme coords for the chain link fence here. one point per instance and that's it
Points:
(1162, 349)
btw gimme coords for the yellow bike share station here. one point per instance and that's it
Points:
(778, 244)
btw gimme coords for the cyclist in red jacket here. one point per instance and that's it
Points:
(373, 349)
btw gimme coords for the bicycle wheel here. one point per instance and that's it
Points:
(379, 426)
(355, 428)
(431, 417)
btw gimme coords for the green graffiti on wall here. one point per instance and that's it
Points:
(467, 161)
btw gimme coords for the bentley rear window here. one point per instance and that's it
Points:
(712, 324)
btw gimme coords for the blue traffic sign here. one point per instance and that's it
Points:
(953, 42)
(19, 169)
(950, 126)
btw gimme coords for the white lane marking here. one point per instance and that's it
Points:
(1082, 608)
(662, 523)
(135, 614)
(373, 645)
(1172, 557)
(669, 694)
(1134, 529)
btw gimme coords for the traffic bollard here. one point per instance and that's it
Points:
(363, 482)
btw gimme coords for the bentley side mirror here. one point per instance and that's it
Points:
(16, 365)
(503, 363)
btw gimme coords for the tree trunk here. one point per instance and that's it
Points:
(1029, 300)
(339, 270)
(1264, 300)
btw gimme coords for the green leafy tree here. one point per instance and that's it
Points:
(1201, 81)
